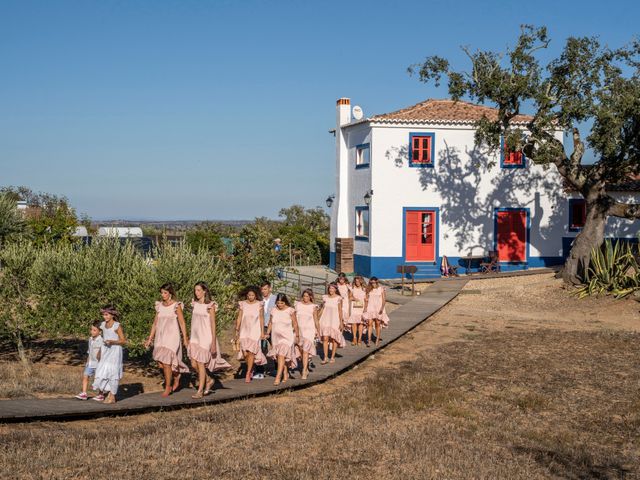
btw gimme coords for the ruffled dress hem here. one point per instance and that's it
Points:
(169, 357)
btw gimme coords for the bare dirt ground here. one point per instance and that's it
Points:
(514, 379)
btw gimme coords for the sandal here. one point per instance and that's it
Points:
(197, 396)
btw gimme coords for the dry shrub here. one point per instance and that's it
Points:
(20, 380)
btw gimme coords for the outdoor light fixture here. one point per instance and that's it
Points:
(330, 200)
(367, 197)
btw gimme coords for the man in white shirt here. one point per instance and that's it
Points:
(269, 299)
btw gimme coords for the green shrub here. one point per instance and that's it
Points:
(613, 270)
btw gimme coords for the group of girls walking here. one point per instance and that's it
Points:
(293, 331)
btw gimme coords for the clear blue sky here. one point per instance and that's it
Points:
(189, 109)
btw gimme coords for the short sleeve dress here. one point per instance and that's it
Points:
(357, 306)
(330, 319)
(374, 305)
(307, 326)
(283, 342)
(343, 290)
(251, 331)
(167, 346)
(201, 338)
(109, 371)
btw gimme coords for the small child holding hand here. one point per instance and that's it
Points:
(95, 344)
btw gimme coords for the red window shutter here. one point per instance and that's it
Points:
(421, 151)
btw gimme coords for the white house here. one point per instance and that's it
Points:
(412, 187)
(120, 232)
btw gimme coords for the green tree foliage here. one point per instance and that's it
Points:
(49, 218)
(587, 84)
(17, 319)
(254, 258)
(207, 236)
(11, 220)
(306, 230)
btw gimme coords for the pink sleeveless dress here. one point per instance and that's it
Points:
(357, 306)
(374, 305)
(251, 329)
(167, 345)
(330, 319)
(344, 290)
(283, 341)
(201, 338)
(307, 327)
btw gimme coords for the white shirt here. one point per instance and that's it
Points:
(95, 343)
(269, 303)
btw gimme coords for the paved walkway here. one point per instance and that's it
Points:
(403, 319)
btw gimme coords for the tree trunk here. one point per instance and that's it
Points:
(22, 354)
(591, 236)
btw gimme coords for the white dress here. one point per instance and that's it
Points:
(109, 371)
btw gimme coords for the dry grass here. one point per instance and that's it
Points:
(32, 380)
(510, 405)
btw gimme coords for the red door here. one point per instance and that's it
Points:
(420, 232)
(512, 235)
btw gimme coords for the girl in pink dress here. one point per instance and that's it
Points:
(344, 290)
(307, 316)
(283, 328)
(358, 294)
(204, 349)
(165, 336)
(374, 308)
(249, 330)
(331, 322)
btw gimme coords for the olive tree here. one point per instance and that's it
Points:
(587, 86)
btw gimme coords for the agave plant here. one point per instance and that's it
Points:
(614, 270)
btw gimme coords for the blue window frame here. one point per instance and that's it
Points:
(362, 223)
(577, 214)
(363, 155)
(422, 149)
(512, 159)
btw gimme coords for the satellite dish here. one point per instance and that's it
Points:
(357, 112)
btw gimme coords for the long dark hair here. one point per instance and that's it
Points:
(281, 297)
(169, 288)
(309, 292)
(207, 292)
(251, 288)
(334, 285)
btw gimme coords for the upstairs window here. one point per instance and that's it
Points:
(511, 159)
(577, 214)
(363, 155)
(421, 149)
(362, 223)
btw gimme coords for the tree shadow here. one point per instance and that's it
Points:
(472, 186)
(130, 390)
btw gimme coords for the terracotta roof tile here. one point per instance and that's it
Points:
(444, 111)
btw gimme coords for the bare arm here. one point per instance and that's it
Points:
(266, 335)
(294, 321)
(121, 338)
(238, 323)
(183, 326)
(152, 334)
(262, 320)
(316, 320)
(384, 301)
(212, 318)
(340, 313)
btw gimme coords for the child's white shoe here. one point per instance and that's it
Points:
(82, 396)
(98, 398)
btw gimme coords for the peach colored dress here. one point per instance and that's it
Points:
(201, 338)
(344, 290)
(357, 306)
(283, 341)
(330, 319)
(167, 345)
(251, 330)
(374, 305)
(307, 327)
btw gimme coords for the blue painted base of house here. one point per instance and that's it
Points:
(386, 267)
(332, 260)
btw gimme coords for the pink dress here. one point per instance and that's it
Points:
(357, 306)
(167, 346)
(251, 330)
(330, 319)
(283, 341)
(201, 338)
(307, 326)
(374, 305)
(343, 290)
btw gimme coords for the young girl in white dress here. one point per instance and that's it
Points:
(109, 371)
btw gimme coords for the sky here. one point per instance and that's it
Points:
(184, 109)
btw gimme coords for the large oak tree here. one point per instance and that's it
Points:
(588, 86)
